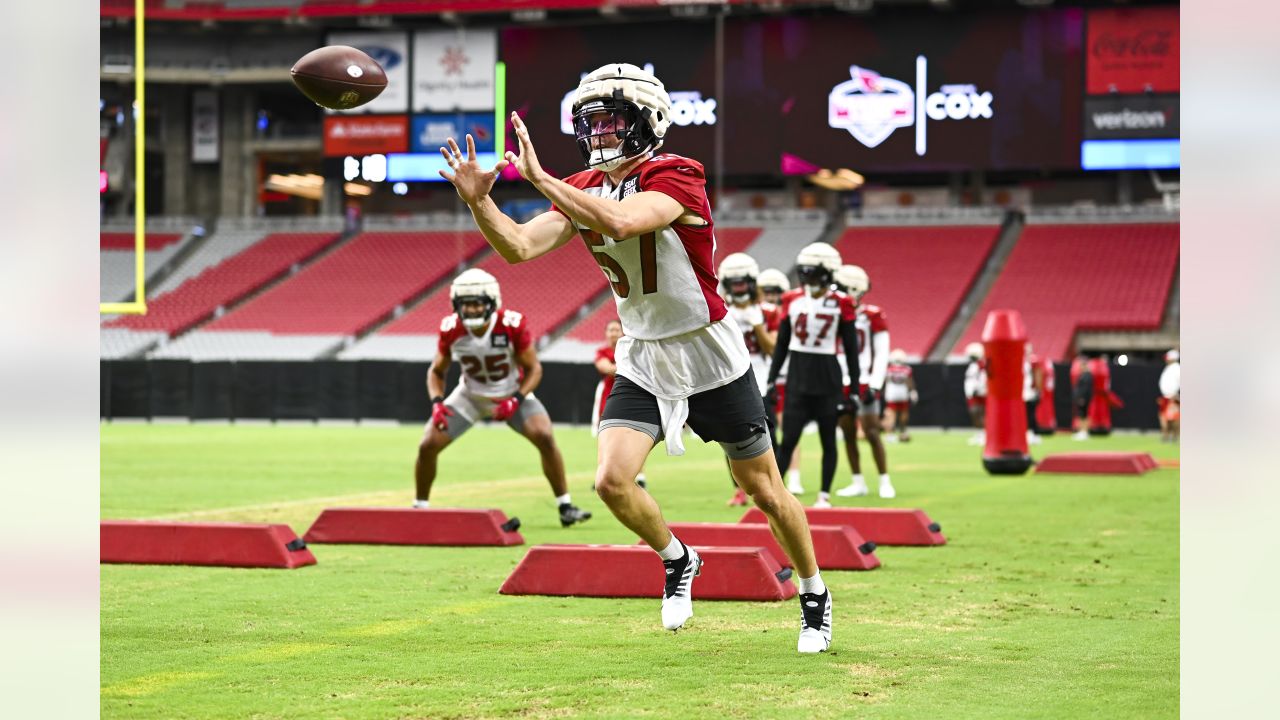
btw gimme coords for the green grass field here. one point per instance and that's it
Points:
(1056, 596)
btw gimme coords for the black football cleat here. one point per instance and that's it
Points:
(570, 514)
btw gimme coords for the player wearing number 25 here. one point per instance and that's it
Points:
(646, 220)
(500, 370)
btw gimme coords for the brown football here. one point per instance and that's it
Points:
(339, 77)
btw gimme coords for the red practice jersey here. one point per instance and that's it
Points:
(489, 365)
(664, 282)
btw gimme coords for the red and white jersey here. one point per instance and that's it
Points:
(815, 322)
(664, 282)
(873, 345)
(975, 379)
(489, 366)
(746, 318)
(897, 383)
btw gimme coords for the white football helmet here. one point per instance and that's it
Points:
(816, 265)
(774, 278)
(737, 269)
(475, 285)
(973, 350)
(638, 111)
(1171, 356)
(853, 280)
(898, 357)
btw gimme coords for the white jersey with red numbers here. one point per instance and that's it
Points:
(679, 340)
(873, 346)
(489, 366)
(815, 322)
(897, 383)
(745, 318)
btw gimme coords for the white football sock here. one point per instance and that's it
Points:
(884, 479)
(824, 496)
(858, 479)
(673, 551)
(421, 504)
(812, 585)
(563, 499)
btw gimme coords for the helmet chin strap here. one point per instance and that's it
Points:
(475, 323)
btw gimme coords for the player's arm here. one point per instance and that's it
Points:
(436, 375)
(764, 337)
(518, 242)
(604, 366)
(849, 338)
(619, 219)
(528, 360)
(780, 350)
(879, 359)
(515, 242)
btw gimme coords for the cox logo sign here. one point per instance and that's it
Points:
(688, 107)
(871, 107)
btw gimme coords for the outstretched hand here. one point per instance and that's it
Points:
(527, 161)
(472, 181)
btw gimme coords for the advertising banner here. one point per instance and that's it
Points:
(204, 126)
(1130, 116)
(1132, 50)
(955, 92)
(391, 51)
(365, 134)
(453, 70)
(430, 132)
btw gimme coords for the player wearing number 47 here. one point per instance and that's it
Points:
(646, 220)
(500, 370)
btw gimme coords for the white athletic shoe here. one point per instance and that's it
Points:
(822, 502)
(979, 438)
(1033, 438)
(857, 488)
(677, 596)
(793, 485)
(815, 622)
(1081, 435)
(886, 490)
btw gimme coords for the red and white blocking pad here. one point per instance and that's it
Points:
(411, 526)
(882, 526)
(254, 545)
(728, 573)
(835, 547)
(1098, 463)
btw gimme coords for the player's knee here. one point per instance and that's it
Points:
(611, 483)
(768, 499)
(543, 440)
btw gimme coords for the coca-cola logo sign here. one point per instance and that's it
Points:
(1145, 44)
(1133, 50)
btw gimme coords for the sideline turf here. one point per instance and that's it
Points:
(1056, 596)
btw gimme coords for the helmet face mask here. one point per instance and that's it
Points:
(814, 277)
(741, 289)
(609, 132)
(473, 320)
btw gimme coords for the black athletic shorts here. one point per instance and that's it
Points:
(730, 413)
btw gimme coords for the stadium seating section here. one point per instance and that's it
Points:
(117, 260)
(225, 269)
(919, 275)
(1065, 278)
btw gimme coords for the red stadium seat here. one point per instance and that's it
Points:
(919, 275)
(1066, 278)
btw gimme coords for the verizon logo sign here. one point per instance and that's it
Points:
(1129, 120)
(1119, 117)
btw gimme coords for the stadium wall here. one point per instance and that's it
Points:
(345, 390)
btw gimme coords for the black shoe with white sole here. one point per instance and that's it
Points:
(677, 595)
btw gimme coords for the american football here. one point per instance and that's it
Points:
(339, 77)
